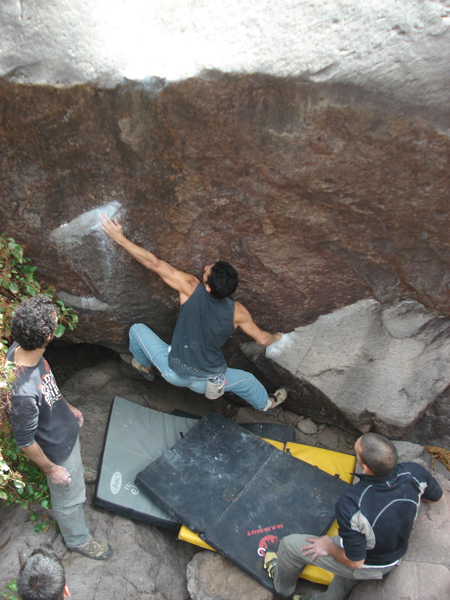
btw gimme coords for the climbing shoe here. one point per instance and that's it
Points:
(278, 397)
(95, 549)
(146, 372)
(270, 560)
(301, 597)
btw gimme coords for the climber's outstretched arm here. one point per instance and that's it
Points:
(184, 283)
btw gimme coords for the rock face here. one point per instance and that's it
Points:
(380, 366)
(319, 195)
(433, 428)
(306, 144)
(414, 581)
(380, 48)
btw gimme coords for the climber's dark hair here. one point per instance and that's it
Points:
(223, 280)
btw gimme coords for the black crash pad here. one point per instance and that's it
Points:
(272, 431)
(241, 494)
(135, 436)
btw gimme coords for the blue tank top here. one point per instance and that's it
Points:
(203, 326)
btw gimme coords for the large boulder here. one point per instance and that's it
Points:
(317, 164)
(381, 367)
(178, 163)
(433, 428)
(380, 48)
(305, 143)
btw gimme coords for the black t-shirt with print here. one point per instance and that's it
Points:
(39, 412)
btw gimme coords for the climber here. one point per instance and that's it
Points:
(206, 320)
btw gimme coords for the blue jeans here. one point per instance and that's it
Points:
(147, 348)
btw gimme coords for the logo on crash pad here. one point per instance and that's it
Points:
(266, 542)
(132, 488)
(116, 482)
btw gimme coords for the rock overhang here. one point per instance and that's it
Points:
(379, 48)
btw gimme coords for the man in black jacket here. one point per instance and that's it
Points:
(375, 519)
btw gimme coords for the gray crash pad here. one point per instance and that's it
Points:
(135, 436)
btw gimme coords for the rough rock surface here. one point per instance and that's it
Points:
(290, 418)
(380, 366)
(433, 429)
(212, 577)
(148, 563)
(329, 438)
(247, 414)
(412, 581)
(408, 452)
(337, 198)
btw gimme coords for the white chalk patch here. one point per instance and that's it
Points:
(280, 346)
(72, 233)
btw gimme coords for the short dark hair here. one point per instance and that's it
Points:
(223, 280)
(378, 453)
(33, 321)
(42, 576)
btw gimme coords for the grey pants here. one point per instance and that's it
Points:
(68, 499)
(291, 560)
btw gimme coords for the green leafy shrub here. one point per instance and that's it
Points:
(21, 480)
(10, 591)
(17, 282)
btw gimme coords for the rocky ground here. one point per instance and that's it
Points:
(150, 563)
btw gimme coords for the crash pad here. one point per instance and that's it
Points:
(328, 460)
(135, 436)
(241, 494)
(274, 431)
